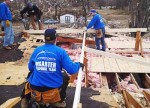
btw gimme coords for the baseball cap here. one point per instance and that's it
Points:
(11, 0)
(30, 5)
(50, 34)
(93, 10)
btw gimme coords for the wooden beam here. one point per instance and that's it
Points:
(86, 71)
(60, 31)
(147, 95)
(118, 82)
(134, 81)
(141, 47)
(73, 40)
(125, 30)
(132, 100)
(137, 41)
(100, 78)
(116, 56)
(10, 103)
(147, 78)
(70, 30)
(129, 52)
(128, 105)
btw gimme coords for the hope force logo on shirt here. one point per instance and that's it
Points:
(45, 66)
(45, 62)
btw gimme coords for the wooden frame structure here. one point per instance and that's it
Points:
(129, 99)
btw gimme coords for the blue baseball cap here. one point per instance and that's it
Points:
(29, 5)
(50, 34)
(93, 10)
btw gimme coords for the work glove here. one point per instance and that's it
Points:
(81, 65)
(85, 30)
(23, 20)
(39, 21)
(7, 23)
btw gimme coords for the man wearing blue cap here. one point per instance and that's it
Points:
(46, 79)
(99, 26)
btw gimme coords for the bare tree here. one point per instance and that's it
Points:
(140, 13)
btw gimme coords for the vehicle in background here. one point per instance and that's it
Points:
(51, 21)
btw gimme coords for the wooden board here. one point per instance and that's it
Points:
(147, 78)
(73, 40)
(123, 65)
(117, 63)
(111, 55)
(13, 74)
(132, 101)
(107, 64)
(125, 30)
(114, 66)
(10, 103)
(69, 30)
(97, 64)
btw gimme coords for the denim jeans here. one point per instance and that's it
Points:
(101, 40)
(9, 34)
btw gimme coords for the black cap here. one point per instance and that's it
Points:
(50, 34)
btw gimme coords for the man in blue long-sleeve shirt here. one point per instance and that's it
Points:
(6, 21)
(99, 26)
(46, 64)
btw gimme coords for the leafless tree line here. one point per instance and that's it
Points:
(138, 9)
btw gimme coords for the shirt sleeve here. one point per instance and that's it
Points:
(70, 66)
(92, 22)
(3, 14)
(38, 12)
(23, 11)
(31, 63)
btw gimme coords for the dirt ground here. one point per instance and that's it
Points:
(13, 63)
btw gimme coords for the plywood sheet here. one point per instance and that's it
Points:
(13, 74)
(114, 66)
(123, 65)
(97, 64)
(107, 65)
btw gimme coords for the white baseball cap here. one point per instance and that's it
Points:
(11, 0)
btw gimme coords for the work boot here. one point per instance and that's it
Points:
(60, 104)
(24, 103)
(7, 48)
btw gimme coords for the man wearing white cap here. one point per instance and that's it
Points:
(99, 26)
(6, 21)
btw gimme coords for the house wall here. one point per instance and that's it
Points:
(67, 18)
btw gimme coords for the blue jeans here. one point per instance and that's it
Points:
(9, 34)
(101, 40)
